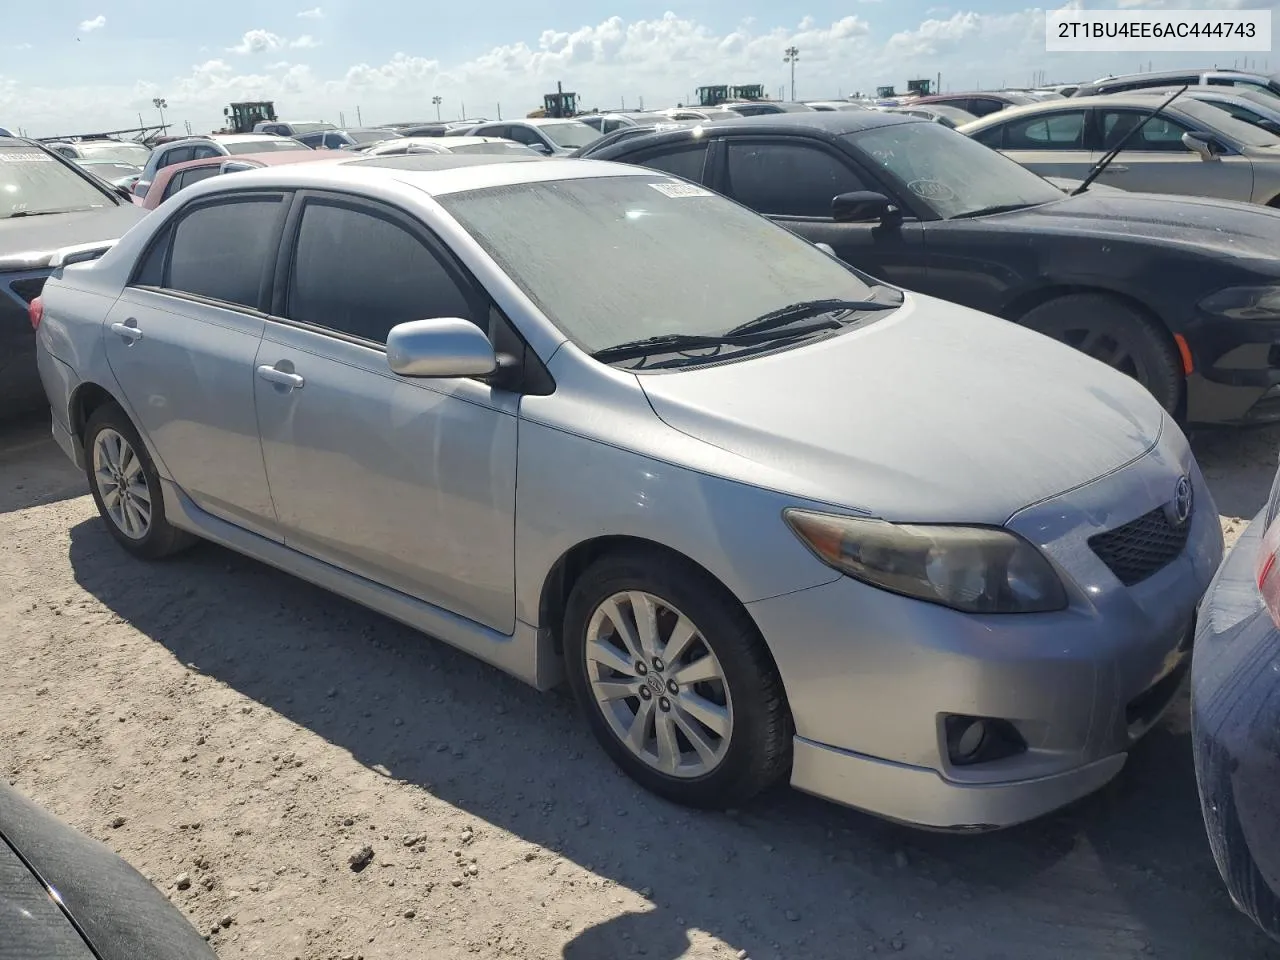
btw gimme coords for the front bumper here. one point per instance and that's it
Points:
(871, 677)
(1236, 380)
(1235, 724)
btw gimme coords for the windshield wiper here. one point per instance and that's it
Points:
(1114, 152)
(678, 342)
(43, 213)
(995, 208)
(807, 310)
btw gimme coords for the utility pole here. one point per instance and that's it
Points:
(791, 55)
(437, 101)
(160, 103)
(499, 111)
(463, 115)
(359, 119)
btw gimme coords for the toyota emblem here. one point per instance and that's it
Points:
(1182, 501)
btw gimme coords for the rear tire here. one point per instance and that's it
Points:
(718, 731)
(126, 486)
(1116, 334)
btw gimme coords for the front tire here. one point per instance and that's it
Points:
(676, 681)
(1116, 334)
(126, 486)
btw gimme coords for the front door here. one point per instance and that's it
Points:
(407, 482)
(181, 341)
(793, 182)
(1155, 160)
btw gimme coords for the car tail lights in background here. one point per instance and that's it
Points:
(1268, 571)
(35, 310)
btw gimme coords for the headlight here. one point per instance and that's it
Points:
(974, 569)
(1244, 303)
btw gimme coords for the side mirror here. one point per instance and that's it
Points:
(864, 206)
(1199, 143)
(541, 148)
(826, 248)
(440, 347)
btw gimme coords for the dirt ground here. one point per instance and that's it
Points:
(239, 736)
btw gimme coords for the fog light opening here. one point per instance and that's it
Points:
(972, 740)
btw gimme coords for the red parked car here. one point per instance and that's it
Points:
(169, 180)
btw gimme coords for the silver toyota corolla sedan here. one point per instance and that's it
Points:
(916, 559)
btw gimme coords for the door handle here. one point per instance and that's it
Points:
(281, 377)
(129, 330)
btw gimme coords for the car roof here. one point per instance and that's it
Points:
(537, 121)
(240, 137)
(1139, 101)
(832, 123)
(436, 174)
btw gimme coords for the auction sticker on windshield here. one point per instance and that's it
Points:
(15, 156)
(681, 190)
(931, 190)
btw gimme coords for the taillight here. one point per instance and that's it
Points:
(1267, 571)
(35, 311)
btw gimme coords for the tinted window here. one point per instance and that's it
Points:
(683, 161)
(788, 178)
(222, 250)
(1054, 131)
(992, 136)
(186, 178)
(201, 153)
(1159, 133)
(312, 139)
(177, 155)
(982, 106)
(360, 274)
(522, 135)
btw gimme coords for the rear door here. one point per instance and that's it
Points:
(793, 180)
(181, 341)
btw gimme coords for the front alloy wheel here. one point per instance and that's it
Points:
(658, 685)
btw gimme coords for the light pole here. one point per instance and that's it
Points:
(160, 103)
(791, 55)
(437, 101)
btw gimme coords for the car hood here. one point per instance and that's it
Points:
(33, 924)
(47, 233)
(1223, 228)
(935, 413)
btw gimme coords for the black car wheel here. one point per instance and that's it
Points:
(676, 681)
(1118, 335)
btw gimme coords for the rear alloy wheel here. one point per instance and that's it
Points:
(675, 680)
(1116, 334)
(126, 486)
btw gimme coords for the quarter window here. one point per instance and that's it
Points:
(788, 179)
(361, 274)
(222, 250)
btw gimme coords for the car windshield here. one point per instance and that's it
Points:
(265, 145)
(132, 153)
(109, 169)
(33, 183)
(495, 148)
(548, 236)
(949, 173)
(300, 128)
(569, 134)
(372, 136)
(1219, 120)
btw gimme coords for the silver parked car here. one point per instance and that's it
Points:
(917, 559)
(1192, 148)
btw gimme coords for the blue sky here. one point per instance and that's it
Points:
(98, 63)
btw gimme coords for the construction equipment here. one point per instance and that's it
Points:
(921, 88)
(243, 117)
(560, 105)
(719, 93)
(749, 91)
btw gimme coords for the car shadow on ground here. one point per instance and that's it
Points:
(1126, 873)
(39, 470)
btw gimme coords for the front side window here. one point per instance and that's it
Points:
(1159, 133)
(34, 183)
(949, 173)
(1053, 131)
(788, 179)
(360, 274)
(687, 235)
(222, 250)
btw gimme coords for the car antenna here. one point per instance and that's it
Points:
(1114, 152)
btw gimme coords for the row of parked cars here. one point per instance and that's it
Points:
(883, 490)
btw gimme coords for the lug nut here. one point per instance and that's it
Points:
(657, 664)
(664, 704)
(673, 687)
(641, 668)
(645, 694)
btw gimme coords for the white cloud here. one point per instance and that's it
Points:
(662, 60)
(97, 23)
(305, 42)
(315, 13)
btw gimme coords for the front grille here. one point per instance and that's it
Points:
(1141, 548)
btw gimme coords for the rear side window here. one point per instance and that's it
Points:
(1055, 131)
(684, 161)
(176, 155)
(222, 250)
(788, 179)
(186, 178)
(357, 273)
